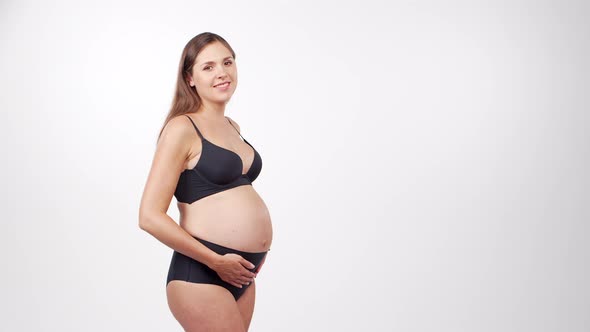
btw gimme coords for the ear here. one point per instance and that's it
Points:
(190, 80)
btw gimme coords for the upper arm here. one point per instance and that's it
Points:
(235, 124)
(172, 151)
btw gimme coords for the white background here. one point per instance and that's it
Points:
(425, 163)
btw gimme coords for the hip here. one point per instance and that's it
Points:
(187, 269)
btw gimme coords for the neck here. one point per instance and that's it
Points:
(212, 112)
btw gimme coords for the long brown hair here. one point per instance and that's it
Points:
(186, 99)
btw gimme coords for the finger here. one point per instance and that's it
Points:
(233, 283)
(246, 280)
(236, 284)
(247, 264)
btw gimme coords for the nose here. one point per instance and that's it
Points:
(221, 72)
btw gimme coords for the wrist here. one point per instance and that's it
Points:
(212, 260)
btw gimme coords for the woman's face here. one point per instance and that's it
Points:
(214, 65)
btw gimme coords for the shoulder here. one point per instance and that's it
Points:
(178, 129)
(172, 150)
(235, 124)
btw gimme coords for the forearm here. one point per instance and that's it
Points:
(167, 231)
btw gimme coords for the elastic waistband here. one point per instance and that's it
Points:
(221, 249)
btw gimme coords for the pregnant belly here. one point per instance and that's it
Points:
(236, 218)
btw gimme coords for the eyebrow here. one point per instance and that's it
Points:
(211, 62)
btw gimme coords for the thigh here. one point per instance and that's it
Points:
(246, 304)
(203, 307)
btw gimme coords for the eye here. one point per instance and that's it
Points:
(206, 67)
(229, 62)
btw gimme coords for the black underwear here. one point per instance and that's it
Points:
(185, 268)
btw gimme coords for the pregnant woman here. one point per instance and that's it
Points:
(224, 231)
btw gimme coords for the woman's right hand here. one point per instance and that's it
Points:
(232, 268)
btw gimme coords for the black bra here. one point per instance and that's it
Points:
(217, 169)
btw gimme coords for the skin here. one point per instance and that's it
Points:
(246, 226)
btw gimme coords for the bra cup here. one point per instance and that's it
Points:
(219, 166)
(217, 169)
(255, 168)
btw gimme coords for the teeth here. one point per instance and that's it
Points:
(224, 84)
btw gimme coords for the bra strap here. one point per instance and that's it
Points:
(235, 128)
(197, 129)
